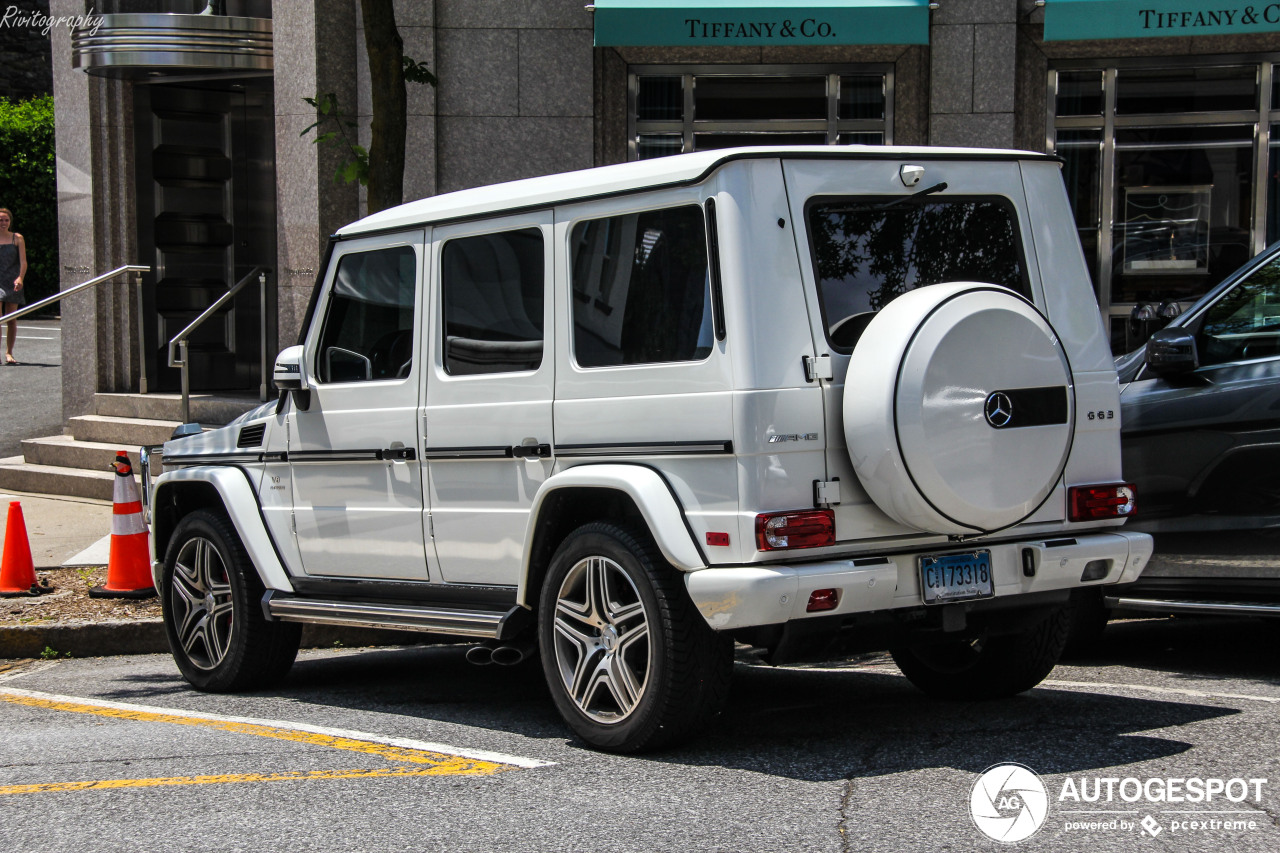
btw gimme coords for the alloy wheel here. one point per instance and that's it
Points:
(602, 646)
(201, 597)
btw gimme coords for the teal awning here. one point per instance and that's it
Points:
(673, 23)
(1072, 20)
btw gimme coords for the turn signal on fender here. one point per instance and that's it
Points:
(1097, 503)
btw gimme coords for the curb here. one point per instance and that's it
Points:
(147, 636)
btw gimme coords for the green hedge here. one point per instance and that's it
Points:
(28, 187)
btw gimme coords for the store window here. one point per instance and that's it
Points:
(1172, 174)
(682, 109)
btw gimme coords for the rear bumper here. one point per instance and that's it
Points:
(746, 596)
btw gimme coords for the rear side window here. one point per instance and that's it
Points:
(492, 287)
(867, 253)
(641, 289)
(368, 327)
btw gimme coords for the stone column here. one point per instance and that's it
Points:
(973, 46)
(96, 233)
(315, 53)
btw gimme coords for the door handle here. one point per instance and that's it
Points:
(531, 451)
(405, 453)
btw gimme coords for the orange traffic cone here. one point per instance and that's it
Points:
(17, 570)
(129, 564)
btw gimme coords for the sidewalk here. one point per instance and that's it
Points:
(62, 528)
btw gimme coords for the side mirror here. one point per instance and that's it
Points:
(289, 374)
(1172, 351)
(290, 377)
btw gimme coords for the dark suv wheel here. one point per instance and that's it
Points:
(988, 667)
(630, 663)
(211, 595)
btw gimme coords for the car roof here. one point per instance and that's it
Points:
(603, 181)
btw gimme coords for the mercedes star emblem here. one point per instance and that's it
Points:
(999, 409)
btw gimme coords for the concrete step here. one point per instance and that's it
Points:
(127, 432)
(64, 451)
(207, 409)
(19, 476)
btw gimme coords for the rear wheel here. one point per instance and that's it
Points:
(211, 597)
(630, 663)
(988, 667)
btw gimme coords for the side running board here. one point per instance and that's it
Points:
(458, 622)
(1226, 608)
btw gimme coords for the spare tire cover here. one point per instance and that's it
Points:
(959, 409)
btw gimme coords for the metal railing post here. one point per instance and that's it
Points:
(180, 340)
(186, 384)
(143, 361)
(262, 335)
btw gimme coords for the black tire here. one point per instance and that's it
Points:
(987, 668)
(1089, 617)
(212, 600)
(590, 644)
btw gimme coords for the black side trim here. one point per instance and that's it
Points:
(647, 448)
(835, 154)
(210, 458)
(422, 592)
(497, 452)
(353, 455)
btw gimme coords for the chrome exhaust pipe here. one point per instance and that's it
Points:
(511, 654)
(481, 655)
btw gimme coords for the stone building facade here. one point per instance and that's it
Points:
(527, 89)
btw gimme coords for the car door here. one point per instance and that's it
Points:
(1209, 441)
(354, 450)
(488, 404)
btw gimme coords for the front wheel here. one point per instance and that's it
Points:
(631, 664)
(211, 596)
(988, 667)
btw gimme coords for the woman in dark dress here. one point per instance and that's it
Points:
(13, 268)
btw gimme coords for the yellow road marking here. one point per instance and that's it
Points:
(455, 763)
(428, 761)
(221, 779)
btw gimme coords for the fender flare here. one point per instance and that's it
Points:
(652, 495)
(240, 502)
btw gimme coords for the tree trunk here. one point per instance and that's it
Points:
(386, 78)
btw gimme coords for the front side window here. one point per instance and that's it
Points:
(868, 252)
(492, 287)
(641, 289)
(367, 334)
(1245, 323)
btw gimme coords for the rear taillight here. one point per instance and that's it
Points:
(1096, 503)
(813, 528)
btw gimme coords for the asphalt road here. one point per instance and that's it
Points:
(31, 393)
(841, 758)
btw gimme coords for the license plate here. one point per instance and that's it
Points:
(956, 577)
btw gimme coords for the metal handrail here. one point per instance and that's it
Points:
(180, 340)
(84, 285)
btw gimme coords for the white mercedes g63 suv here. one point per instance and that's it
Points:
(816, 400)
